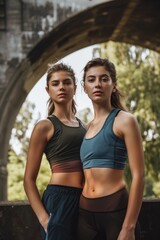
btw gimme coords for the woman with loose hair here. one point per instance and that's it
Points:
(59, 136)
(107, 210)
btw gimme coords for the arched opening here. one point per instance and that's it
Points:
(115, 20)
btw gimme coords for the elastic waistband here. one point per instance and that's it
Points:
(62, 188)
(67, 167)
(113, 202)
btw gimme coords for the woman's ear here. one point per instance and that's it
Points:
(85, 90)
(114, 89)
(47, 89)
(75, 88)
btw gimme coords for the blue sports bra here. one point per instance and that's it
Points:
(105, 149)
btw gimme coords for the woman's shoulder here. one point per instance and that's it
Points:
(43, 125)
(43, 129)
(126, 120)
(126, 116)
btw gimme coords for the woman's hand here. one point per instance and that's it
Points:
(44, 223)
(126, 234)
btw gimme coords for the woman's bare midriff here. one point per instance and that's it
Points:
(72, 179)
(101, 182)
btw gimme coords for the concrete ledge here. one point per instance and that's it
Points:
(18, 221)
(149, 219)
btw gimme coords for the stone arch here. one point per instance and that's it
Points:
(115, 20)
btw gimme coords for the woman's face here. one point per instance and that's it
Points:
(98, 84)
(61, 87)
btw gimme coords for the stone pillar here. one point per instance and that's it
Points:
(3, 182)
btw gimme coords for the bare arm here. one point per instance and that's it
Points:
(37, 144)
(132, 136)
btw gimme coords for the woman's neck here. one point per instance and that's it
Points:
(64, 111)
(65, 114)
(67, 118)
(101, 111)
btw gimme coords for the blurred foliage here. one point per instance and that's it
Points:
(85, 115)
(138, 72)
(17, 154)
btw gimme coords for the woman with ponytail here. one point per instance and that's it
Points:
(59, 136)
(108, 211)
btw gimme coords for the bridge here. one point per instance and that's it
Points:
(36, 32)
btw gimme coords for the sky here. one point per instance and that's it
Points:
(77, 61)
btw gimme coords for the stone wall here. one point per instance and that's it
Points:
(18, 222)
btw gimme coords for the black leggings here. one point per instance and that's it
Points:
(102, 218)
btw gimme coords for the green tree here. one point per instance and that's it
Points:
(17, 155)
(139, 80)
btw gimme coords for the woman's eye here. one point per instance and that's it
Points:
(105, 79)
(90, 80)
(68, 82)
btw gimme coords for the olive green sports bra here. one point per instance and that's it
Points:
(63, 149)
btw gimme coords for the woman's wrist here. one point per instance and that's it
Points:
(128, 227)
(44, 221)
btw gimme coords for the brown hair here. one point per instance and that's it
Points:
(109, 66)
(56, 68)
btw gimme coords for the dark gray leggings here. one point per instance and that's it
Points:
(106, 224)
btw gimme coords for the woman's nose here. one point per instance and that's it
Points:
(61, 86)
(98, 83)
